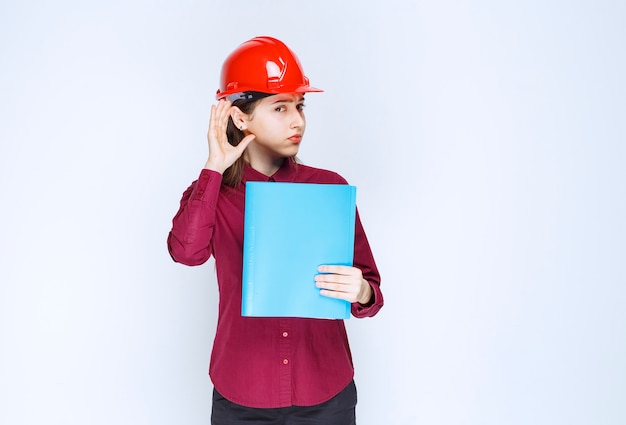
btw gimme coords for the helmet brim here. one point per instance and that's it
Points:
(300, 89)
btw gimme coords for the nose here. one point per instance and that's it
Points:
(298, 119)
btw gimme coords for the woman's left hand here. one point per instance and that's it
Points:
(343, 282)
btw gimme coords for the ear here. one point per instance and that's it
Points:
(240, 119)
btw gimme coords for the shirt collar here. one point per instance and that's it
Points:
(286, 173)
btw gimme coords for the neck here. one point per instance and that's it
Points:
(266, 166)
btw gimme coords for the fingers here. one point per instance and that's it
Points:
(338, 286)
(342, 275)
(342, 282)
(337, 294)
(223, 113)
(211, 122)
(342, 270)
(336, 278)
(245, 142)
(338, 290)
(219, 121)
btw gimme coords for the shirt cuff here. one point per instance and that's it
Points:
(370, 309)
(207, 186)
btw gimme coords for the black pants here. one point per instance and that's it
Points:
(339, 410)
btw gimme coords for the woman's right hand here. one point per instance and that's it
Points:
(221, 153)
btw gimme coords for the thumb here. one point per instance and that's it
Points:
(245, 142)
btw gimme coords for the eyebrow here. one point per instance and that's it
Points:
(287, 100)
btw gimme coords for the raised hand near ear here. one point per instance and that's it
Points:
(221, 153)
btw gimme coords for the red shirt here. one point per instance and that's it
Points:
(265, 362)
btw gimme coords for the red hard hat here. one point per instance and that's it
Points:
(262, 64)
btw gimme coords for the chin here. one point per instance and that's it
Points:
(291, 152)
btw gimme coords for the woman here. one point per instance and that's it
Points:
(268, 370)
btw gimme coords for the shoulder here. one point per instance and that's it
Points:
(308, 174)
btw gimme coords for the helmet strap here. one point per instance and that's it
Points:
(247, 95)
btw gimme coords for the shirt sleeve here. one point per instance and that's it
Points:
(189, 241)
(364, 260)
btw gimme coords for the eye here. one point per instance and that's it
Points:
(280, 109)
(301, 106)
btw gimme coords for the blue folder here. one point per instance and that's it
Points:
(289, 230)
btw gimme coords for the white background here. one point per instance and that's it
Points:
(486, 139)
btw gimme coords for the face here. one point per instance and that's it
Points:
(278, 123)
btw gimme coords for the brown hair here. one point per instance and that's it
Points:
(232, 175)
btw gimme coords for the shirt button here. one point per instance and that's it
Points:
(285, 361)
(285, 334)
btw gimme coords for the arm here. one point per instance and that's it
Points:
(189, 241)
(359, 284)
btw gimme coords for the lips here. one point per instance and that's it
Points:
(296, 138)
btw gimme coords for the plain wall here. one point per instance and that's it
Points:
(487, 141)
